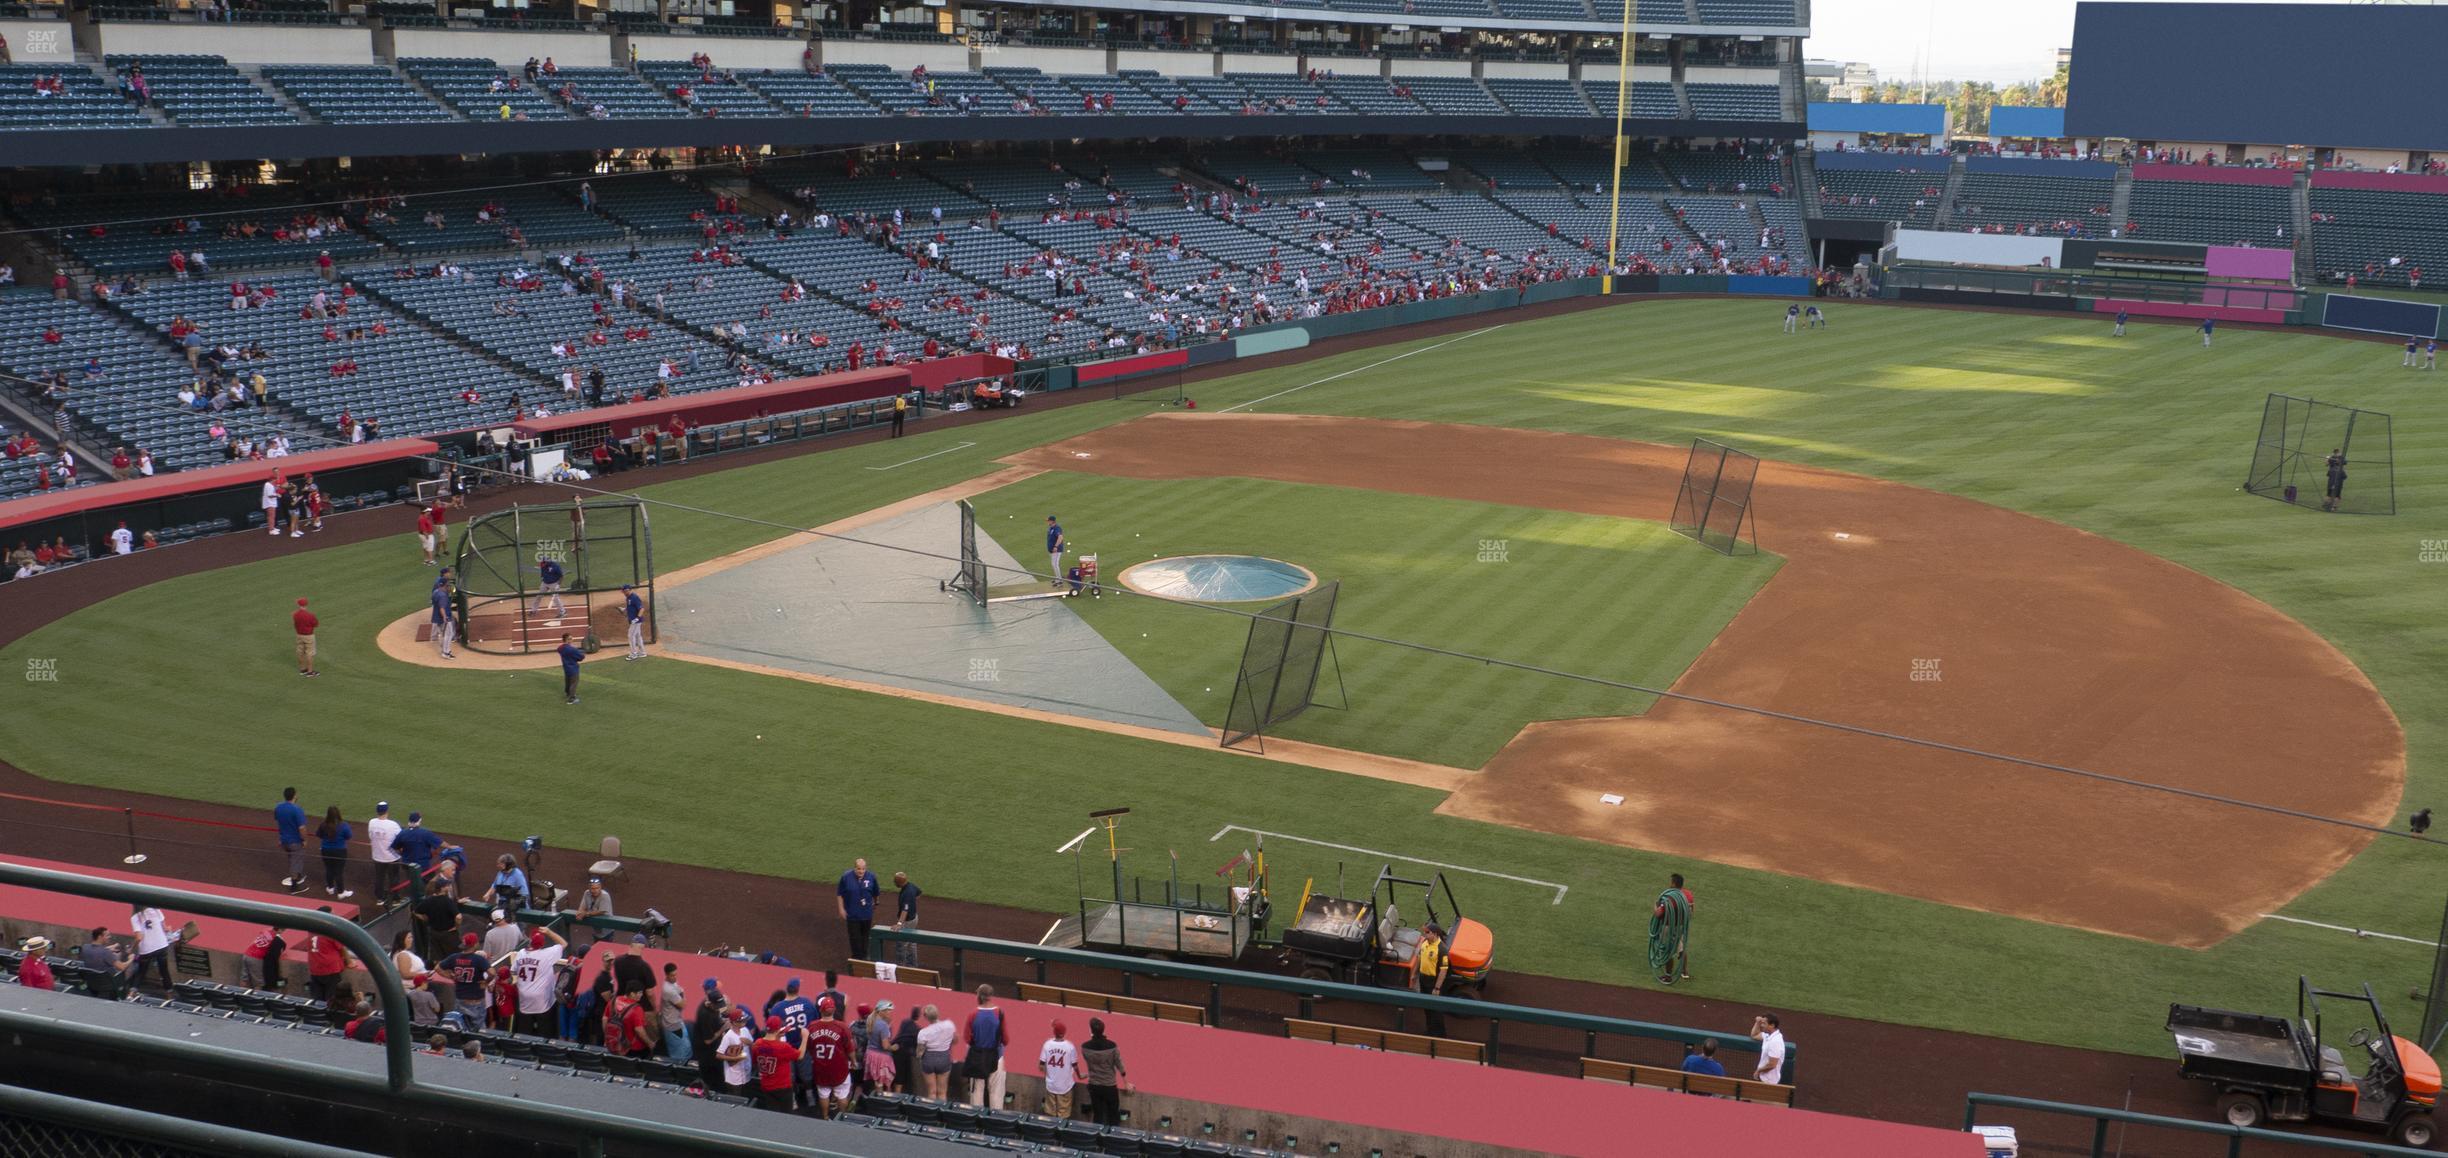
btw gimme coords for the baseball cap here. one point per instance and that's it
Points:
(535, 939)
(498, 915)
(467, 940)
(628, 586)
(1060, 1029)
(594, 880)
(885, 1006)
(711, 984)
(794, 985)
(382, 806)
(774, 1023)
(637, 938)
(737, 1014)
(416, 818)
(301, 602)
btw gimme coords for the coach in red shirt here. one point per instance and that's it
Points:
(304, 622)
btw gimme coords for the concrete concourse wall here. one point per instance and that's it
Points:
(1053, 60)
(901, 57)
(733, 52)
(241, 43)
(1432, 68)
(509, 49)
(1259, 62)
(1526, 70)
(1168, 63)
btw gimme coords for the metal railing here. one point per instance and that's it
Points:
(1592, 1026)
(585, 1128)
(77, 1126)
(2101, 1116)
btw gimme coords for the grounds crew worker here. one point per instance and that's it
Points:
(900, 413)
(1430, 967)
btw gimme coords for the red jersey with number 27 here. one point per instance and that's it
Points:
(828, 1051)
(773, 1057)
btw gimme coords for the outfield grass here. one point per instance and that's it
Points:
(185, 688)
(1412, 568)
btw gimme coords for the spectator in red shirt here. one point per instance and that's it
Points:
(773, 1057)
(304, 622)
(35, 972)
(829, 1048)
(624, 1027)
(425, 535)
(325, 962)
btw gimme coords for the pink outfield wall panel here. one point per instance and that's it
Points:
(2188, 310)
(1414, 1095)
(2243, 261)
(2385, 182)
(2214, 174)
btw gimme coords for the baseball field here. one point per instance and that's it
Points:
(2008, 590)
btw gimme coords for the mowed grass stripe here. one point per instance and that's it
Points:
(1548, 587)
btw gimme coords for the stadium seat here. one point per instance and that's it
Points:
(608, 862)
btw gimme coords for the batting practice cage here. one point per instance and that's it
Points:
(2302, 439)
(599, 545)
(1289, 646)
(1714, 505)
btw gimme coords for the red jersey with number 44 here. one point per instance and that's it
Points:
(828, 1050)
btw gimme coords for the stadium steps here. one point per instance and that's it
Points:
(1806, 184)
(374, 287)
(1951, 193)
(2299, 227)
(2120, 207)
(288, 104)
(425, 91)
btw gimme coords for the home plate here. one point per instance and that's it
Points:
(1610, 798)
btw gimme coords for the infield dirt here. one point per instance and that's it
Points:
(1918, 614)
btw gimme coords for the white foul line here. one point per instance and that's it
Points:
(924, 457)
(2350, 929)
(1357, 369)
(1397, 858)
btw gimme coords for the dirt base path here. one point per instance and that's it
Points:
(2026, 637)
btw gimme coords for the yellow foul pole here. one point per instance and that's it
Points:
(1623, 97)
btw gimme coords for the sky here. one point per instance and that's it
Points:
(2000, 41)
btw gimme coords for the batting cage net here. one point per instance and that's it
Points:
(1714, 504)
(2320, 454)
(507, 606)
(970, 580)
(1290, 646)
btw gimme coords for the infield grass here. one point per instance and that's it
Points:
(184, 687)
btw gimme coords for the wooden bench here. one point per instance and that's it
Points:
(909, 973)
(1389, 1041)
(1110, 1003)
(1658, 1077)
